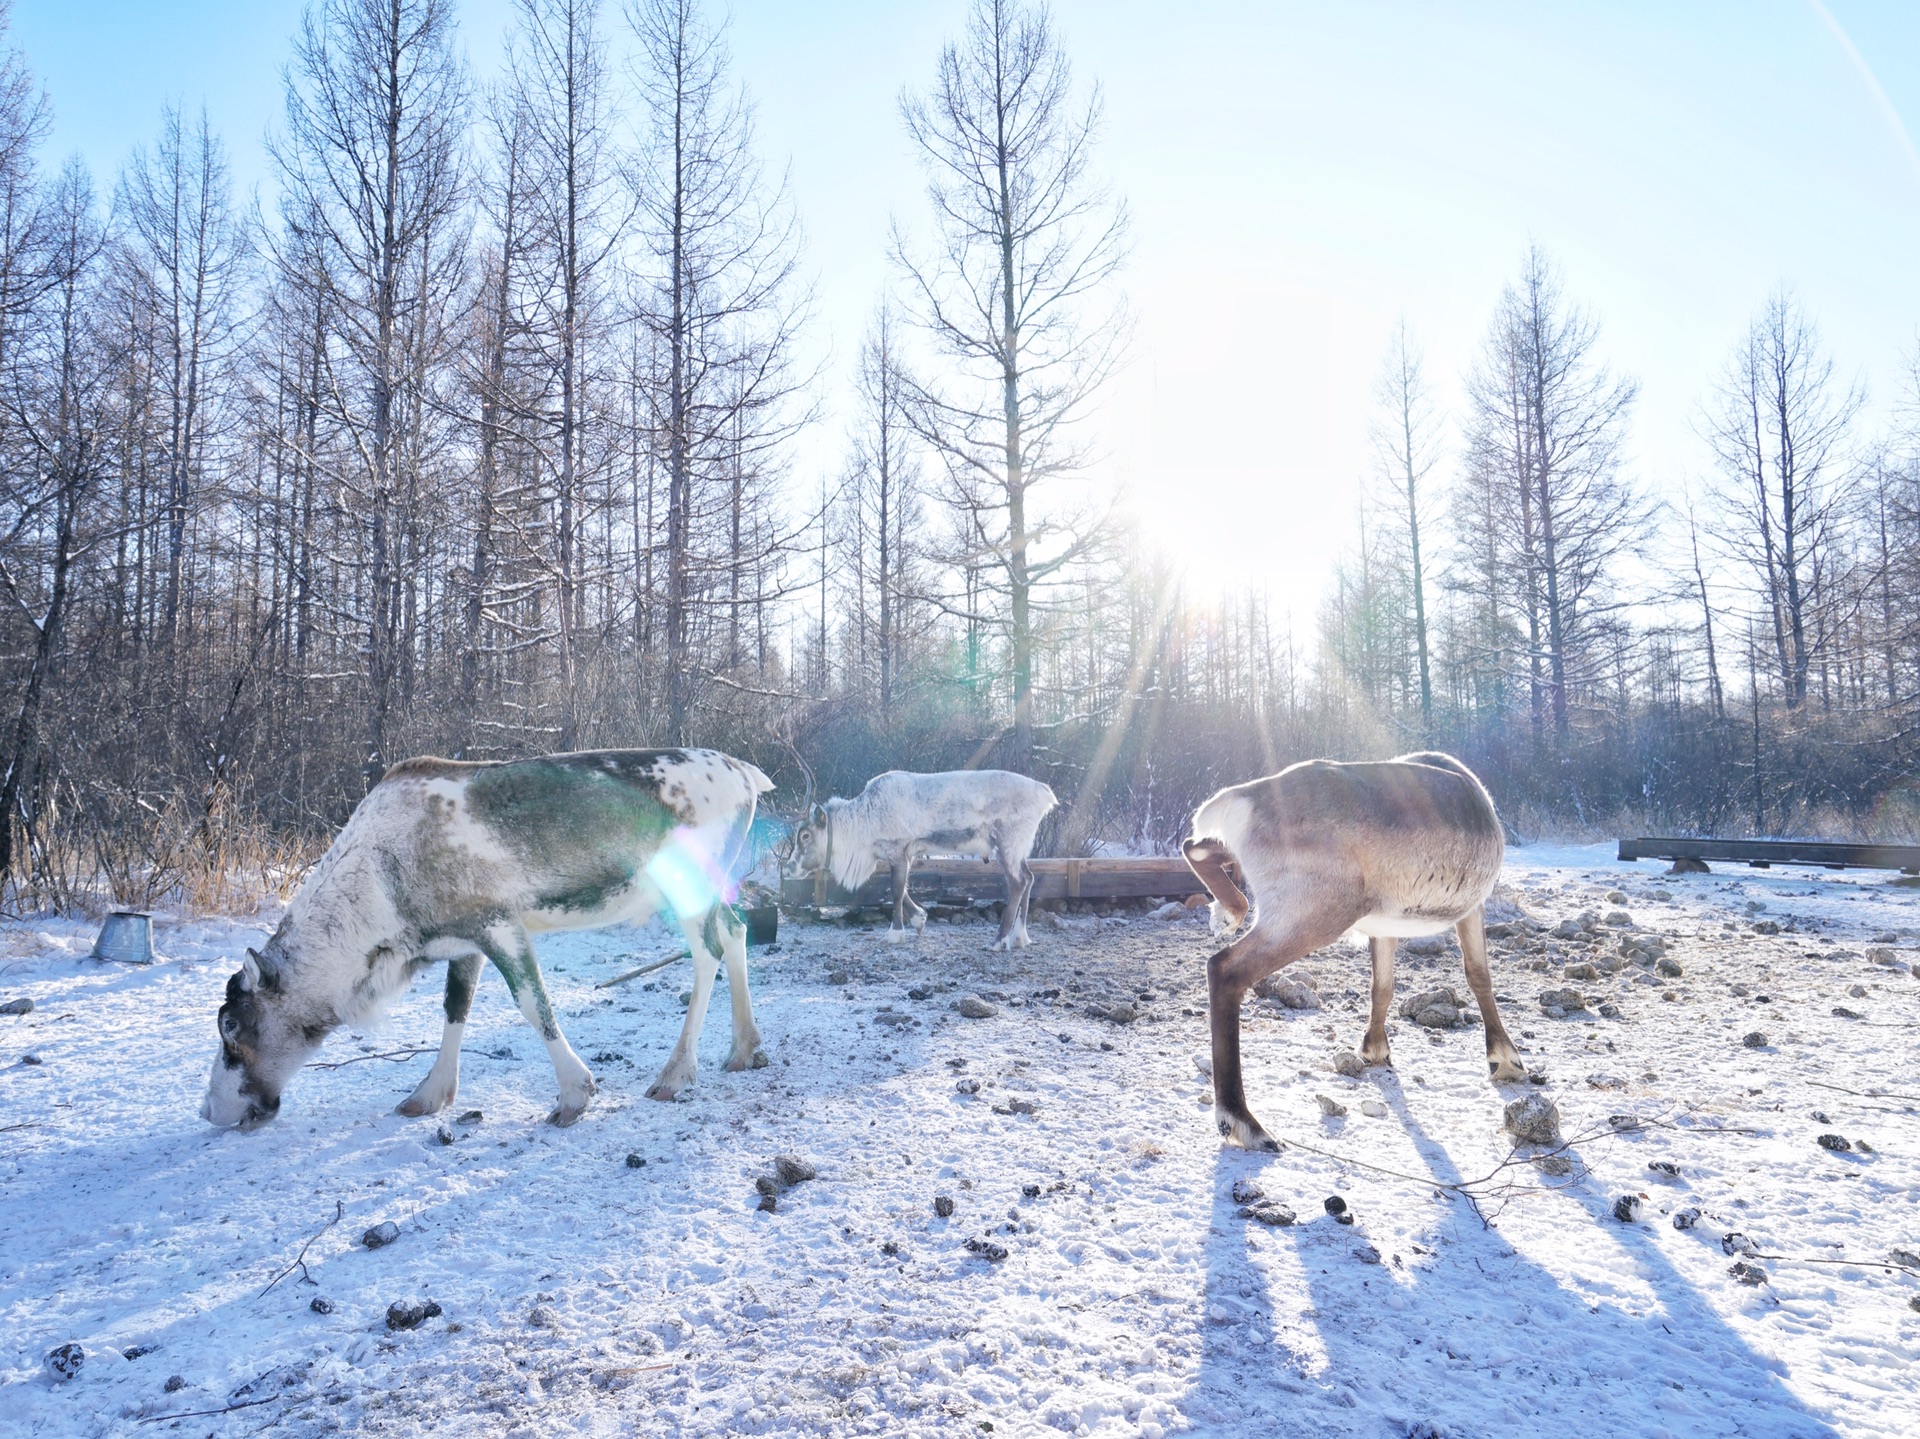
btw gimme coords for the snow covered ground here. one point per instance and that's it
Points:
(583, 1291)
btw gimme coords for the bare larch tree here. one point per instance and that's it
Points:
(1545, 425)
(1408, 443)
(1015, 293)
(1780, 426)
(370, 165)
(720, 296)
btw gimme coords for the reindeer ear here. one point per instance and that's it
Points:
(817, 815)
(250, 971)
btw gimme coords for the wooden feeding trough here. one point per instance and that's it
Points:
(126, 937)
(961, 882)
(1693, 854)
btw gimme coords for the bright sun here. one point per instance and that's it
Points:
(1234, 533)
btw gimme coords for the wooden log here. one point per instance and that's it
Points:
(1765, 853)
(969, 881)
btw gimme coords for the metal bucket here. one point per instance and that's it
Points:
(127, 937)
(763, 923)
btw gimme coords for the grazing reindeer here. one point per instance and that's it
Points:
(452, 861)
(901, 817)
(1404, 847)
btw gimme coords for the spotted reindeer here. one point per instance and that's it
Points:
(1388, 850)
(900, 817)
(455, 862)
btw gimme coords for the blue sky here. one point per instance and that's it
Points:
(1300, 175)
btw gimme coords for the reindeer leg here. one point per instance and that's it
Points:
(916, 912)
(437, 1090)
(725, 932)
(1013, 915)
(683, 1064)
(1272, 944)
(1026, 903)
(902, 901)
(1373, 1049)
(1502, 1058)
(507, 945)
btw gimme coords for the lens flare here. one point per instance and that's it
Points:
(689, 877)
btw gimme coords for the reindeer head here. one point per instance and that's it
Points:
(807, 846)
(262, 1046)
(805, 849)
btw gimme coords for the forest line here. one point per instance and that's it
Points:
(479, 438)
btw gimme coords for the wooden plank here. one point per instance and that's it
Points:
(1765, 853)
(966, 881)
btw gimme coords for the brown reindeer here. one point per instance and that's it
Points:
(1393, 849)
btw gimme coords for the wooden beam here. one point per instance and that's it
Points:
(967, 881)
(1765, 853)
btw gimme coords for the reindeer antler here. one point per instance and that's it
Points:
(781, 728)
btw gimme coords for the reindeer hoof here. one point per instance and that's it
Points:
(1507, 1071)
(1245, 1131)
(566, 1114)
(896, 936)
(422, 1102)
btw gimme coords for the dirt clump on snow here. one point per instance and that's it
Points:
(1533, 1119)
(411, 1313)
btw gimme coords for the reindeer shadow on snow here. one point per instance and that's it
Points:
(1473, 1339)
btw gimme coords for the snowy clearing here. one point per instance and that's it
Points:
(584, 1291)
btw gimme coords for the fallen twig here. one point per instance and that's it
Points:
(300, 1259)
(636, 973)
(396, 1056)
(1471, 1190)
(203, 1413)
(1865, 1093)
(24, 1124)
(1846, 1263)
(1474, 1191)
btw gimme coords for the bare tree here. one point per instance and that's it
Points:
(52, 403)
(24, 121)
(569, 171)
(1547, 419)
(1407, 439)
(1716, 694)
(186, 248)
(1013, 293)
(883, 492)
(719, 295)
(370, 164)
(1780, 427)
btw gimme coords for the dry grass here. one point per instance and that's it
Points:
(180, 864)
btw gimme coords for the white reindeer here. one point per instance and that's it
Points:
(1389, 850)
(901, 817)
(458, 862)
